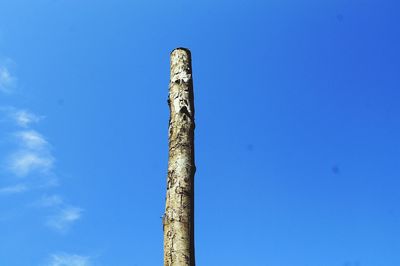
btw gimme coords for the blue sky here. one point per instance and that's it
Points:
(297, 131)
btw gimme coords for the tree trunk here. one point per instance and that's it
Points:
(178, 219)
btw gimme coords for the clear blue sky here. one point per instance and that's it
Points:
(297, 135)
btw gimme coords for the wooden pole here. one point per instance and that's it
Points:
(178, 219)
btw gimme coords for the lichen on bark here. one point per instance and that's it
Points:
(178, 219)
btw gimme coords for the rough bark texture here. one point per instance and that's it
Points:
(178, 219)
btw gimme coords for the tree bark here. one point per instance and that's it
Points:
(178, 219)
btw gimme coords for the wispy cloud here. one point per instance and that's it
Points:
(21, 117)
(32, 140)
(24, 118)
(33, 155)
(14, 189)
(7, 80)
(65, 218)
(64, 259)
(25, 162)
(32, 159)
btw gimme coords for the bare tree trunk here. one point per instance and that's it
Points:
(178, 219)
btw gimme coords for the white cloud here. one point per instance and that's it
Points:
(25, 162)
(69, 260)
(7, 81)
(15, 189)
(21, 117)
(32, 158)
(24, 118)
(32, 140)
(65, 218)
(34, 155)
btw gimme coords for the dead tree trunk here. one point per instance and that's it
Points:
(178, 219)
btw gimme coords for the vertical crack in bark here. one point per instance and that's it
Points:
(178, 219)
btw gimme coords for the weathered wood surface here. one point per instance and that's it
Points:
(178, 219)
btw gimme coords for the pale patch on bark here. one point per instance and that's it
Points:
(178, 219)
